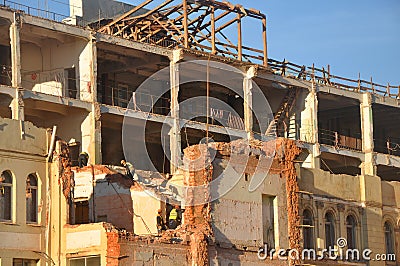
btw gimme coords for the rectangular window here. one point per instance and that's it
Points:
(25, 262)
(82, 212)
(268, 214)
(87, 261)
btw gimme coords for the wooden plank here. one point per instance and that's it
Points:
(185, 24)
(240, 40)
(127, 14)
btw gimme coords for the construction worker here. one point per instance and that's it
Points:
(175, 217)
(83, 159)
(160, 222)
(130, 170)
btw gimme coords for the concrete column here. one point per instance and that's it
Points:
(248, 101)
(370, 185)
(88, 72)
(175, 132)
(367, 131)
(309, 127)
(17, 104)
(91, 126)
(16, 50)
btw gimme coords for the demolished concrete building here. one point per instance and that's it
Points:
(65, 89)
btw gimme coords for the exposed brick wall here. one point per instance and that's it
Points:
(113, 249)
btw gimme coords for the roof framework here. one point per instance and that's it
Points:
(203, 25)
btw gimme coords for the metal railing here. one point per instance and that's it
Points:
(126, 97)
(389, 146)
(218, 117)
(333, 138)
(325, 77)
(33, 11)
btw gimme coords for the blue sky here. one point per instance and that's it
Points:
(351, 36)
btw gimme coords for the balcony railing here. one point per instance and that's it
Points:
(33, 11)
(325, 77)
(388, 146)
(333, 138)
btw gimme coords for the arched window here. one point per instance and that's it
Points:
(5, 195)
(308, 230)
(389, 238)
(351, 231)
(329, 230)
(31, 198)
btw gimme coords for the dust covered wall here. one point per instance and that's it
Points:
(145, 209)
(74, 123)
(48, 62)
(144, 253)
(111, 200)
(324, 183)
(23, 155)
(237, 217)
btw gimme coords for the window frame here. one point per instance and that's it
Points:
(332, 232)
(388, 228)
(36, 202)
(309, 229)
(4, 185)
(352, 240)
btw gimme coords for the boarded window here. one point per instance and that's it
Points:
(82, 212)
(5, 195)
(31, 198)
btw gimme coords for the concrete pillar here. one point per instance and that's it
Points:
(370, 185)
(88, 72)
(175, 132)
(248, 101)
(309, 127)
(17, 104)
(16, 50)
(367, 131)
(91, 126)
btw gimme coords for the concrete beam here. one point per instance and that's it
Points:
(214, 129)
(7, 90)
(27, 94)
(330, 149)
(133, 45)
(387, 160)
(384, 100)
(57, 26)
(115, 110)
(7, 14)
